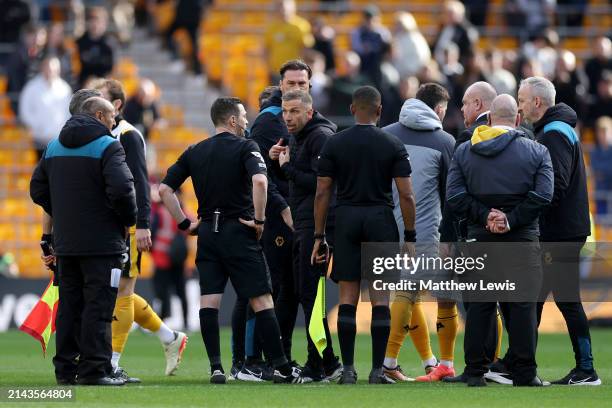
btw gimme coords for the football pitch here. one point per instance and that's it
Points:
(22, 365)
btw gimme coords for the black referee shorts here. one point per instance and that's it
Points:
(355, 225)
(233, 253)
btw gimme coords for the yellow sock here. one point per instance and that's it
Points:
(446, 326)
(500, 333)
(419, 332)
(144, 315)
(123, 317)
(401, 311)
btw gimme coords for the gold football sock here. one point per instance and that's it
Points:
(123, 317)
(419, 332)
(401, 311)
(446, 326)
(144, 315)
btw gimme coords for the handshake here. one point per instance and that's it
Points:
(497, 222)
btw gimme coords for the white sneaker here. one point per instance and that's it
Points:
(500, 378)
(174, 352)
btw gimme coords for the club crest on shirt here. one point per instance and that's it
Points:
(279, 241)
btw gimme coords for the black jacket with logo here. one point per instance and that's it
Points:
(568, 215)
(301, 170)
(83, 182)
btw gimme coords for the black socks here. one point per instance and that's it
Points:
(379, 330)
(209, 326)
(347, 329)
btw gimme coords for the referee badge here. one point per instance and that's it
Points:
(279, 241)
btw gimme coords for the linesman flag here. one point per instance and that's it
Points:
(316, 328)
(40, 323)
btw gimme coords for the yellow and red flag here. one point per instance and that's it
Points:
(40, 323)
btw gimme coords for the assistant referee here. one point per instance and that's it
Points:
(363, 161)
(229, 178)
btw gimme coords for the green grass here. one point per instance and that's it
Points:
(23, 365)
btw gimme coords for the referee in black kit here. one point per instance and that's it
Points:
(363, 161)
(230, 183)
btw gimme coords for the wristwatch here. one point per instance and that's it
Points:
(258, 222)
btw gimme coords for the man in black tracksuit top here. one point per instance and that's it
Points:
(566, 222)
(270, 133)
(498, 172)
(310, 131)
(84, 183)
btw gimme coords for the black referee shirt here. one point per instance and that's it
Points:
(364, 160)
(221, 169)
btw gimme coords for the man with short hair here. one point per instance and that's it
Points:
(229, 178)
(566, 222)
(430, 148)
(130, 306)
(270, 132)
(83, 172)
(310, 131)
(363, 161)
(500, 182)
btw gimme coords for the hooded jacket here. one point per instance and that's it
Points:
(568, 215)
(83, 182)
(301, 170)
(430, 149)
(268, 128)
(500, 169)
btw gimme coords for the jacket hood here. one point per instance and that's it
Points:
(317, 121)
(415, 114)
(275, 100)
(80, 130)
(491, 141)
(560, 112)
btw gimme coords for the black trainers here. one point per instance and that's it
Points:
(476, 382)
(333, 371)
(103, 381)
(217, 377)
(378, 376)
(461, 378)
(316, 375)
(348, 377)
(65, 381)
(236, 367)
(534, 382)
(251, 372)
(579, 377)
(123, 375)
(295, 377)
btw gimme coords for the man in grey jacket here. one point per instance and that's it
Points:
(430, 149)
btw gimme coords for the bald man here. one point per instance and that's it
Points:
(476, 103)
(500, 182)
(84, 183)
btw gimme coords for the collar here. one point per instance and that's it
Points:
(504, 127)
(482, 114)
